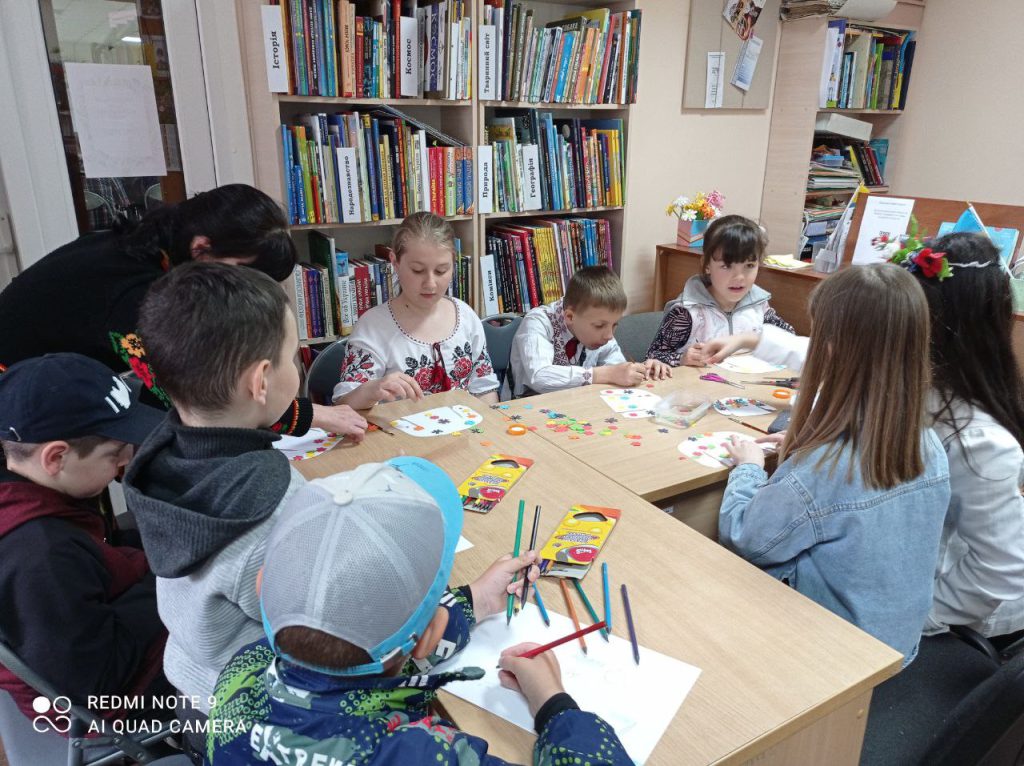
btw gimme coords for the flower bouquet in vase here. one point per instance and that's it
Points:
(694, 216)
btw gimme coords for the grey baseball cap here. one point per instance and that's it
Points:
(363, 556)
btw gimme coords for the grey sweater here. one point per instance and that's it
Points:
(205, 500)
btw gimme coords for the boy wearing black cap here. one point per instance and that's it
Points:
(78, 608)
(353, 573)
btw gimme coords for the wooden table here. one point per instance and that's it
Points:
(783, 680)
(649, 466)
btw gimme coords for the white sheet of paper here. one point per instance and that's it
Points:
(113, 107)
(639, 701)
(707, 448)
(315, 442)
(883, 216)
(745, 364)
(409, 57)
(746, 64)
(715, 81)
(274, 49)
(463, 545)
(742, 407)
(485, 174)
(630, 402)
(438, 421)
(487, 63)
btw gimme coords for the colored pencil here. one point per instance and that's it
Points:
(589, 607)
(564, 639)
(515, 552)
(526, 570)
(572, 611)
(607, 597)
(629, 623)
(540, 605)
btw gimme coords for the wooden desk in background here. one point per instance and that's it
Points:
(783, 680)
(653, 470)
(790, 289)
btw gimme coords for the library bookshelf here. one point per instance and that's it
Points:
(464, 119)
(795, 107)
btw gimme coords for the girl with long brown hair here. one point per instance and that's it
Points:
(853, 515)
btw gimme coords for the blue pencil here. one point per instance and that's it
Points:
(607, 598)
(540, 605)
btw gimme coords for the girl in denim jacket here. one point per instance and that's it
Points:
(853, 515)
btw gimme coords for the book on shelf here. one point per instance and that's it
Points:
(819, 223)
(865, 68)
(838, 163)
(372, 165)
(530, 263)
(538, 162)
(378, 48)
(335, 289)
(591, 57)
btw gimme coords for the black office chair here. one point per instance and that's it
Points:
(636, 332)
(325, 372)
(954, 705)
(499, 330)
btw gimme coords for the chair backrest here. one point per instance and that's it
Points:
(636, 332)
(154, 196)
(94, 201)
(325, 372)
(987, 727)
(500, 329)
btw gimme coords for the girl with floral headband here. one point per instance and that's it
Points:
(421, 341)
(853, 515)
(977, 404)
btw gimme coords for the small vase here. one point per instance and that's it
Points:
(691, 233)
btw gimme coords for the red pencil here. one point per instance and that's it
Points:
(564, 639)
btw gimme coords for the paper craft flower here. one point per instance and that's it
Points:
(913, 255)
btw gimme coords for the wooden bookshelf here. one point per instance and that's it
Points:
(794, 110)
(462, 119)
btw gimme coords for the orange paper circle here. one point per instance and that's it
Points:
(516, 430)
(781, 393)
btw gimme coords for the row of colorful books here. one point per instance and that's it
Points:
(354, 167)
(536, 162)
(530, 263)
(590, 57)
(334, 289)
(858, 161)
(866, 68)
(378, 48)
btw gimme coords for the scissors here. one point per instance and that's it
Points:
(782, 382)
(716, 378)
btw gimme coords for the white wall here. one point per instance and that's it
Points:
(672, 152)
(960, 135)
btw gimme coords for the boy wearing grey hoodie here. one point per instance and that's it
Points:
(207, 485)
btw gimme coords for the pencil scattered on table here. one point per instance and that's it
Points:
(607, 598)
(564, 639)
(572, 611)
(533, 545)
(735, 419)
(629, 624)
(540, 605)
(589, 607)
(515, 552)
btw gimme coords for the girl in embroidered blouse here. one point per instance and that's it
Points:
(421, 341)
(721, 300)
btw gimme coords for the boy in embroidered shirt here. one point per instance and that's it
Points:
(207, 484)
(571, 342)
(342, 673)
(722, 300)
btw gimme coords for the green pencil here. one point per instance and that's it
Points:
(515, 554)
(590, 608)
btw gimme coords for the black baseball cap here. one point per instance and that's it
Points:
(65, 396)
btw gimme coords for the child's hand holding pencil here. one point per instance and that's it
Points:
(538, 678)
(491, 589)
